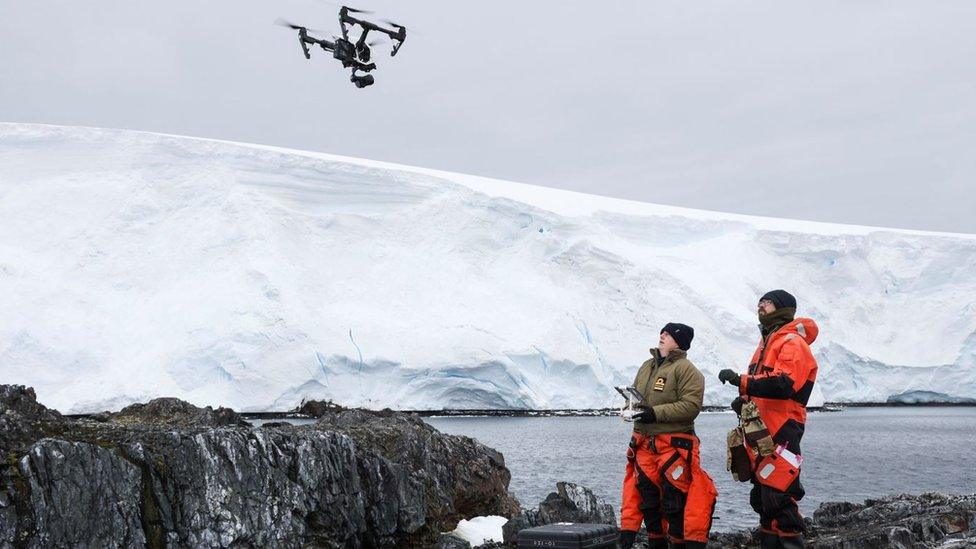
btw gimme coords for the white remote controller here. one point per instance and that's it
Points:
(632, 397)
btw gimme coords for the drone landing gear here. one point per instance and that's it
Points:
(362, 49)
(302, 39)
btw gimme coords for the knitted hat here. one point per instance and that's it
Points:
(682, 334)
(780, 298)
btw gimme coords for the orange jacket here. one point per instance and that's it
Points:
(780, 379)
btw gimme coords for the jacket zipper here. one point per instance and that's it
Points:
(762, 354)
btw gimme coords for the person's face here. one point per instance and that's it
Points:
(666, 344)
(765, 307)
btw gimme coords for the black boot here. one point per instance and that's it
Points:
(626, 539)
(659, 543)
(768, 541)
(791, 542)
(695, 545)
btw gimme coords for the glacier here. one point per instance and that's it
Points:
(135, 265)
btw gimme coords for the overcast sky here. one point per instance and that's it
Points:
(857, 112)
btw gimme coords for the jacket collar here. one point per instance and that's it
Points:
(672, 356)
(804, 327)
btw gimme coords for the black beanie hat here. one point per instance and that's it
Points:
(682, 334)
(780, 298)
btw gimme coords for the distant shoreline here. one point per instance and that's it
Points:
(827, 407)
(592, 412)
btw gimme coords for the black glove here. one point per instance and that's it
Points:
(646, 416)
(737, 405)
(728, 376)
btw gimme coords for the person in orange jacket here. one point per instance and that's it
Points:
(664, 484)
(780, 379)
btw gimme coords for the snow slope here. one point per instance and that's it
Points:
(134, 265)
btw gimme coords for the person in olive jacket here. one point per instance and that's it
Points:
(664, 484)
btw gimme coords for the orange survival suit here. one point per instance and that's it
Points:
(780, 379)
(664, 484)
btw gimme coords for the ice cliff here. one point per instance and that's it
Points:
(135, 265)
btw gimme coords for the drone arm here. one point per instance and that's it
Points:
(302, 39)
(344, 20)
(325, 45)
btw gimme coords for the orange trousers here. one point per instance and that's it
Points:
(666, 488)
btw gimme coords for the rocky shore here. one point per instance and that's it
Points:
(899, 522)
(170, 474)
(166, 474)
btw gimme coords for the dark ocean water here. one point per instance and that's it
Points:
(850, 455)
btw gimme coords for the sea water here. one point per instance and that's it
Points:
(850, 455)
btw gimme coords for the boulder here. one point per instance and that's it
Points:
(451, 541)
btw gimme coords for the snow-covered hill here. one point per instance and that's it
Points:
(134, 265)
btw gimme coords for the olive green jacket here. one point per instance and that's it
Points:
(674, 390)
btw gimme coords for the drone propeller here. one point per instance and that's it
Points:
(283, 23)
(398, 26)
(335, 5)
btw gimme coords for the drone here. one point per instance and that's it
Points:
(355, 55)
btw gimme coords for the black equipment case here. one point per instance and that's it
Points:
(569, 535)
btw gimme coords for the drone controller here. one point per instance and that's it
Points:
(632, 397)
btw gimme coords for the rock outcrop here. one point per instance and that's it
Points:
(318, 408)
(471, 476)
(170, 474)
(22, 419)
(173, 412)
